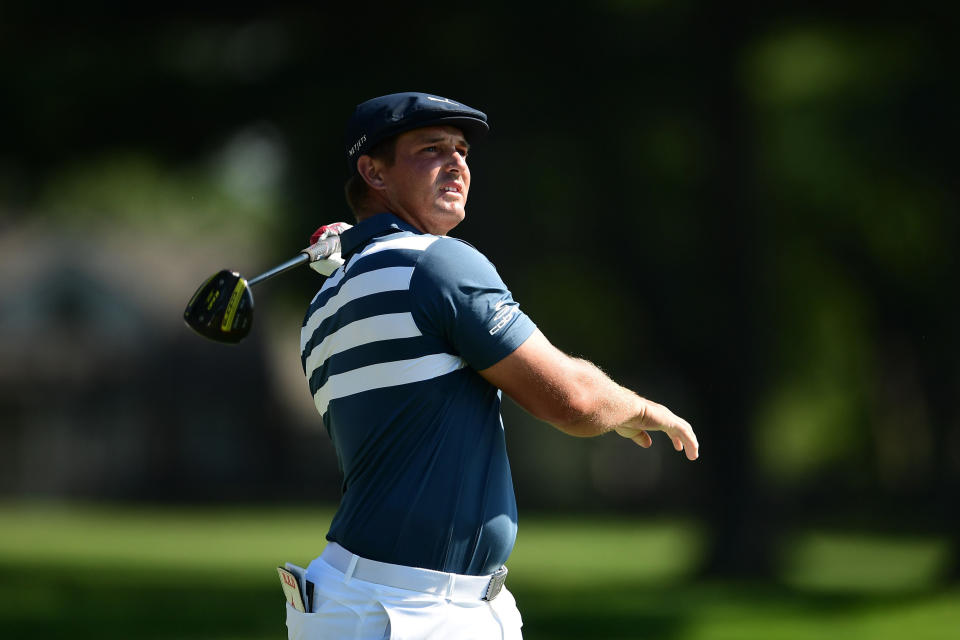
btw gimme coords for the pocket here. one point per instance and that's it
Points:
(303, 626)
(335, 621)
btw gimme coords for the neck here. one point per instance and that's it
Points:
(371, 206)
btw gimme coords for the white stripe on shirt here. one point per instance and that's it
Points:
(414, 243)
(385, 374)
(365, 284)
(389, 326)
(330, 282)
(410, 243)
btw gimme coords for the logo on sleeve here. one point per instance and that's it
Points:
(505, 311)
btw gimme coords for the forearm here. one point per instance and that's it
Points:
(578, 398)
(594, 404)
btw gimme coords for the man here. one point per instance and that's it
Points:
(406, 348)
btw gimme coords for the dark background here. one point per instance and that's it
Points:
(748, 213)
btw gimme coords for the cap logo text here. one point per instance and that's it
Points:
(356, 146)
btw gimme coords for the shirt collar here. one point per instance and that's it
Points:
(369, 228)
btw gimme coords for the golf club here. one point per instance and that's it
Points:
(222, 308)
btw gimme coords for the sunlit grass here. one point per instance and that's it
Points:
(582, 551)
(865, 563)
(242, 541)
(247, 540)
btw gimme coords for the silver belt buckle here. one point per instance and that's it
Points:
(495, 584)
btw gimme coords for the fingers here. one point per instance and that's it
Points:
(643, 439)
(683, 437)
(659, 418)
(688, 445)
(686, 440)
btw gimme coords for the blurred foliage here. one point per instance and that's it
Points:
(235, 192)
(813, 416)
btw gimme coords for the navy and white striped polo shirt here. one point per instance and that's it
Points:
(391, 346)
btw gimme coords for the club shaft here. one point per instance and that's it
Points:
(318, 251)
(302, 258)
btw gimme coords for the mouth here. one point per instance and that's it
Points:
(451, 187)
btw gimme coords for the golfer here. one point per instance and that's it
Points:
(407, 348)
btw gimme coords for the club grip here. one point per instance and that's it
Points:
(323, 249)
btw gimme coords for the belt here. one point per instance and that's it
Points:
(449, 585)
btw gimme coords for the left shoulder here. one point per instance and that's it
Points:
(452, 257)
(455, 248)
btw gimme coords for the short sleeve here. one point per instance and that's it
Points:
(460, 297)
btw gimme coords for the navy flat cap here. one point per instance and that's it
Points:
(380, 118)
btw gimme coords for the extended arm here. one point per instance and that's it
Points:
(579, 399)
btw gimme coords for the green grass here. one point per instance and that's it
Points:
(120, 572)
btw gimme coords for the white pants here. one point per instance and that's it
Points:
(347, 608)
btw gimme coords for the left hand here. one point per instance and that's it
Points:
(327, 266)
(327, 230)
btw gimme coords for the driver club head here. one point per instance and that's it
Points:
(222, 308)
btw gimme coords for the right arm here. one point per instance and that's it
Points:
(579, 399)
(464, 301)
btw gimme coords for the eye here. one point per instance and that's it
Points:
(431, 149)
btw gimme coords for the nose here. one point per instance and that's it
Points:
(456, 162)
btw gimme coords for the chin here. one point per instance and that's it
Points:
(451, 212)
(447, 220)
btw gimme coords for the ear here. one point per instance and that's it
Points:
(370, 170)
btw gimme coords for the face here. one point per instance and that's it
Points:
(428, 182)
